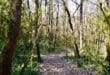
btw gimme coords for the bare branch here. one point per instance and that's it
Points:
(75, 2)
(69, 16)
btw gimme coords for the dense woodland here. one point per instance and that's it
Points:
(54, 37)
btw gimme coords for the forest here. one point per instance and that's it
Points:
(54, 37)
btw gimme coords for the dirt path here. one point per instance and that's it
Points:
(56, 64)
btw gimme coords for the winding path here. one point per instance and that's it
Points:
(56, 64)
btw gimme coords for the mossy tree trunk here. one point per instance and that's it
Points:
(108, 23)
(14, 28)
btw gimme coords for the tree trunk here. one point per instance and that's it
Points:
(38, 53)
(76, 51)
(108, 52)
(108, 44)
(36, 34)
(14, 28)
(81, 24)
(57, 22)
(107, 3)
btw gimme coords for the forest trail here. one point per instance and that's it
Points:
(56, 64)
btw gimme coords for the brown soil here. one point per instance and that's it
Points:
(56, 64)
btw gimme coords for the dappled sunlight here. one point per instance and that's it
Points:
(54, 64)
(54, 37)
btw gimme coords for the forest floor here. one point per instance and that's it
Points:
(56, 64)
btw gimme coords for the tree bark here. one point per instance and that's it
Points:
(36, 34)
(14, 28)
(108, 43)
(81, 24)
(38, 52)
(76, 50)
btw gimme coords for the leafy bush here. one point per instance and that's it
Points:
(31, 69)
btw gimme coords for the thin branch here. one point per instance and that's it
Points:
(76, 10)
(75, 2)
(69, 16)
(107, 21)
(93, 3)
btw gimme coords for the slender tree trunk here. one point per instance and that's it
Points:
(107, 3)
(57, 22)
(36, 30)
(38, 52)
(50, 23)
(12, 37)
(108, 44)
(76, 50)
(81, 24)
